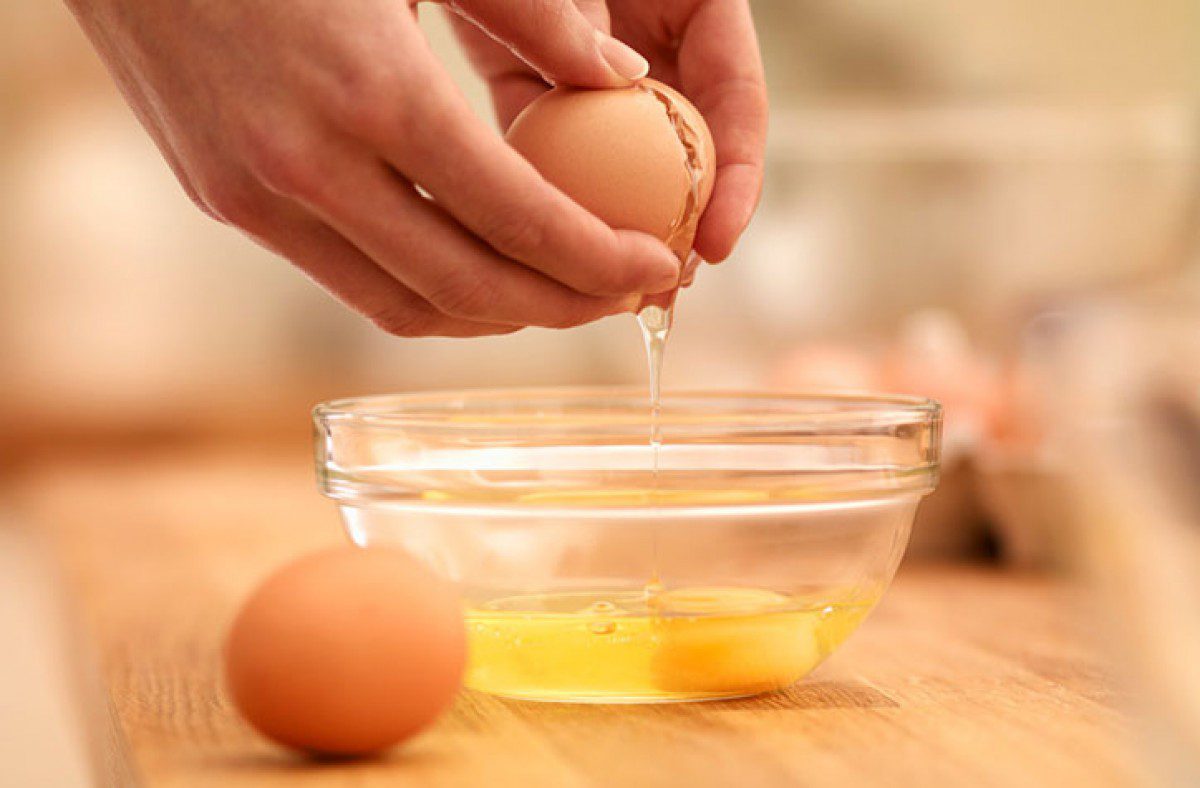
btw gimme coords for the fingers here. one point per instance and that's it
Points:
(512, 83)
(735, 196)
(720, 70)
(488, 188)
(596, 12)
(418, 244)
(558, 40)
(341, 269)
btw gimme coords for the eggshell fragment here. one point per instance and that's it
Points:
(346, 651)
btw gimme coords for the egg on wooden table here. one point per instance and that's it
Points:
(346, 651)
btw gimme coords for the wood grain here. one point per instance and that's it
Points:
(964, 676)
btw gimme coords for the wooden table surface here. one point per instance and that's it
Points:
(963, 676)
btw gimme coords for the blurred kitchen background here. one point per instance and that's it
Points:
(943, 175)
(992, 202)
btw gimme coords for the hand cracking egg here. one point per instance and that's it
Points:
(346, 651)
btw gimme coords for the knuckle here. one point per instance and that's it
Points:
(426, 129)
(515, 234)
(403, 321)
(549, 16)
(606, 279)
(282, 163)
(364, 103)
(368, 120)
(571, 321)
(575, 310)
(206, 208)
(364, 89)
(464, 296)
(607, 269)
(228, 201)
(577, 316)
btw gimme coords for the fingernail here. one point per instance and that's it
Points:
(747, 216)
(622, 58)
(626, 305)
(667, 280)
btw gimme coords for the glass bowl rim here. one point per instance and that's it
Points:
(478, 430)
(835, 410)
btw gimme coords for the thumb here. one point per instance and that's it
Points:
(556, 39)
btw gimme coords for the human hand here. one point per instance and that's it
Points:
(315, 127)
(706, 49)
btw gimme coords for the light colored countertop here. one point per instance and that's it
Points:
(963, 676)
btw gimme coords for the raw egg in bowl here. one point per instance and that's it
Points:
(730, 562)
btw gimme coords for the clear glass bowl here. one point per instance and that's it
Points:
(594, 566)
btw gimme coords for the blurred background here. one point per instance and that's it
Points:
(942, 174)
(992, 202)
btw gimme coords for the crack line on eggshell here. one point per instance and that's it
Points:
(687, 217)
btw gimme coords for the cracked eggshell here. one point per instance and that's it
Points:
(618, 153)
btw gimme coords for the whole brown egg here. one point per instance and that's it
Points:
(346, 651)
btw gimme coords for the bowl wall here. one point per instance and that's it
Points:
(728, 561)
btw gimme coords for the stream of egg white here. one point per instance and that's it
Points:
(655, 322)
(655, 319)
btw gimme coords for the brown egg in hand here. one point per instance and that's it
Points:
(346, 651)
(640, 158)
